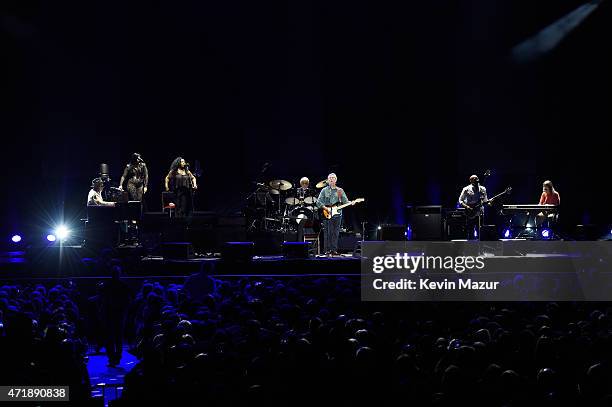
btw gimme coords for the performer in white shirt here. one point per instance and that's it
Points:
(94, 198)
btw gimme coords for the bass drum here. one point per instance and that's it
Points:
(309, 216)
(301, 214)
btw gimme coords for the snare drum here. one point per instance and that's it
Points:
(310, 200)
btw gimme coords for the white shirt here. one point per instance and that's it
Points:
(470, 196)
(94, 198)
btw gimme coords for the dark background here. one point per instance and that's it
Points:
(404, 100)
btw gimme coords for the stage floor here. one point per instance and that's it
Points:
(74, 262)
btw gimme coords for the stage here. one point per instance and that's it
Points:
(78, 262)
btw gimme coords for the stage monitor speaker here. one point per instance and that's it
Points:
(426, 222)
(456, 231)
(587, 232)
(488, 233)
(347, 242)
(296, 250)
(238, 251)
(177, 250)
(391, 232)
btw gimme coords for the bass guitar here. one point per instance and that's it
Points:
(474, 210)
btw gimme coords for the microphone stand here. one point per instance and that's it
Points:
(486, 175)
(253, 193)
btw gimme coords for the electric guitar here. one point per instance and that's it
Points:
(474, 211)
(335, 208)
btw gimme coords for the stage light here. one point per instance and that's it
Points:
(62, 232)
(546, 233)
(16, 238)
(475, 233)
(379, 228)
(51, 237)
(507, 233)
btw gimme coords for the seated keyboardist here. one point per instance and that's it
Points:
(94, 198)
(549, 197)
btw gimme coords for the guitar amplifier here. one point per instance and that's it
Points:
(426, 222)
(455, 224)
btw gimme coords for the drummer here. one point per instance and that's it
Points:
(304, 190)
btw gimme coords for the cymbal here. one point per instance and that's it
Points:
(280, 184)
(263, 187)
(321, 184)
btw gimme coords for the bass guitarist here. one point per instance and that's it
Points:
(331, 195)
(473, 196)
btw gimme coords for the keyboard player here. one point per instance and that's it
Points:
(549, 197)
(94, 198)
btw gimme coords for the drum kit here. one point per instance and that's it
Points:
(278, 206)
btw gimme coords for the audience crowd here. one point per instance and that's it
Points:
(312, 341)
(306, 340)
(42, 340)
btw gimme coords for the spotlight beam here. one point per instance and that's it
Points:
(550, 37)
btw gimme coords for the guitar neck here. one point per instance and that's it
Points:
(482, 202)
(498, 195)
(347, 204)
(344, 205)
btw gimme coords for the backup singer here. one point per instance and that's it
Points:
(329, 196)
(94, 198)
(472, 195)
(136, 176)
(183, 185)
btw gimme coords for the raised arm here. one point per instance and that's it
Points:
(194, 183)
(146, 177)
(167, 180)
(124, 176)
